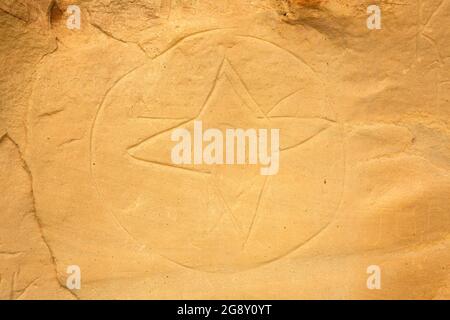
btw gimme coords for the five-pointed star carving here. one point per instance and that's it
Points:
(238, 188)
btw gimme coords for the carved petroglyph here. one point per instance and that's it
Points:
(240, 219)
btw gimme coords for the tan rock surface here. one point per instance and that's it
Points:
(86, 118)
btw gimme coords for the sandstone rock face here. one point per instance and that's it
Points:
(88, 122)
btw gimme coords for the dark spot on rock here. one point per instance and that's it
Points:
(55, 14)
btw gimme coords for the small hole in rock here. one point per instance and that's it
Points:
(56, 14)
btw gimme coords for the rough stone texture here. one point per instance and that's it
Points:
(85, 172)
